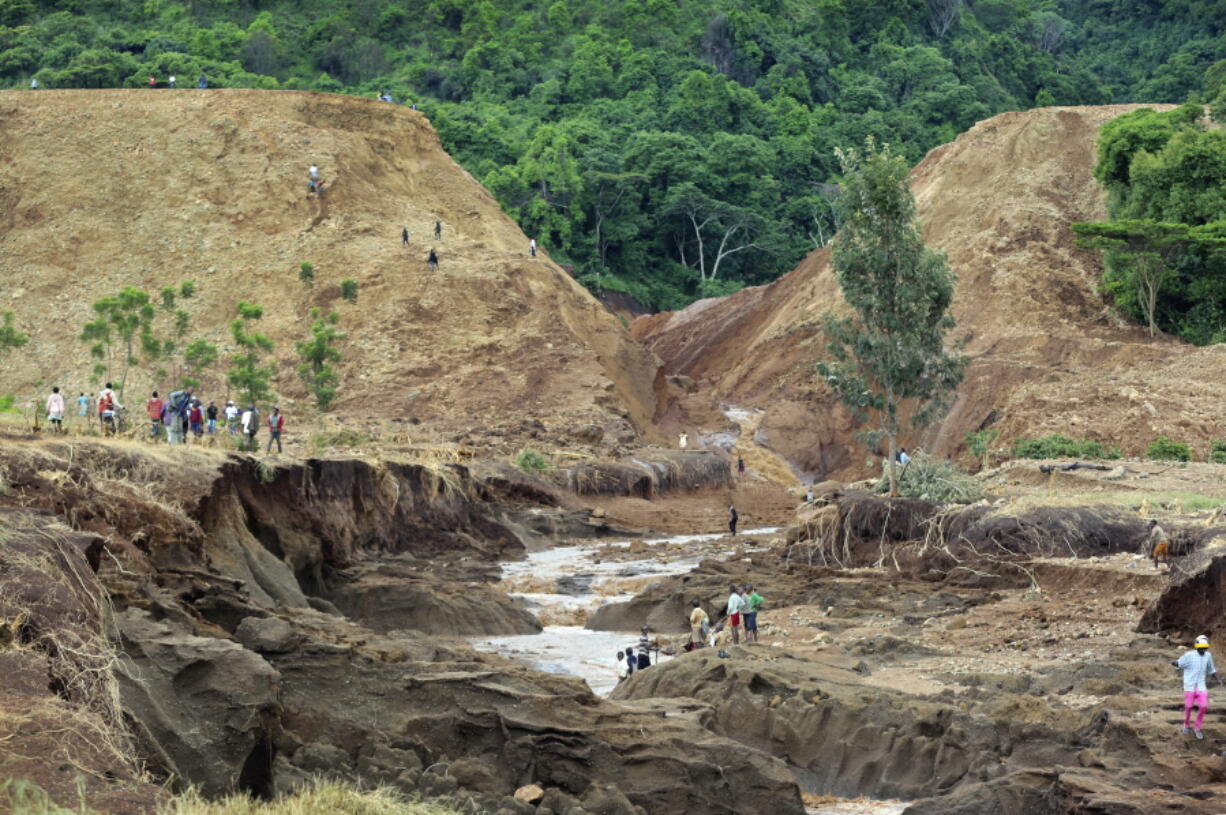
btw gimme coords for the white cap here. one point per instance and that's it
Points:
(1202, 640)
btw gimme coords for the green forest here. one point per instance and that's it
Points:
(668, 149)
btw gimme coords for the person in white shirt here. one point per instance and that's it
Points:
(623, 670)
(171, 82)
(232, 414)
(1197, 667)
(903, 458)
(532, 247)
(55, 410)
(736, 605)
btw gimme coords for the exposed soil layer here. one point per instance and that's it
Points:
(494, 343)
(249, 625)
(1047, 353)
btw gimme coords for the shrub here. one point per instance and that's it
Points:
(980, 444)
(1057, 446)
(349, 289)
(7, 401)
(1163, 449)
(1217, 453)
(934, 479)
(306, 273)
(531, 461)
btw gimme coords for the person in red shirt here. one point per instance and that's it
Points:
(153, 83)
(195, 419)
(153, 409)
(276, 423)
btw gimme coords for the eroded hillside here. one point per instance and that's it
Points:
(1048, 355)
(102, 189)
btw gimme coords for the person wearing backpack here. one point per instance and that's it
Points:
(107, 405)
(177, 408)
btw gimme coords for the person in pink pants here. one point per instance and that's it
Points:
(1197, 666)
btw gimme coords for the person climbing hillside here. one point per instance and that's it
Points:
(153, 409)
(1197, 666)
(55, 411)
(276, 423)
(432, 261)
(532, 247)
(733, 517)
(313, 172)
(699, 623)
(404, 236)
(438, 230)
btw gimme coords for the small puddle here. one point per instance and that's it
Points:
(591, 575)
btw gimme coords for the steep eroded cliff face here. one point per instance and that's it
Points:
(1047, 353)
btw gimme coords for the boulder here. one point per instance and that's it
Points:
(270, 635)
(203, 705)
(529, 793)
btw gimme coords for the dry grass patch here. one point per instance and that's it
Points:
(321, 799)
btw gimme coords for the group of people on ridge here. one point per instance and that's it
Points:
(178, 418)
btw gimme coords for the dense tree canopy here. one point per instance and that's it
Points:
(665, 148)
(1165, 175)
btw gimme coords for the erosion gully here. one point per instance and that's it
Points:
(565, 584)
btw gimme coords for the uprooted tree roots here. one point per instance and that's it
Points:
(976, 544)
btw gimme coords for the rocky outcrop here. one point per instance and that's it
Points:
(398, 593)
(203, 705)
(649, 474)
(1194, 601)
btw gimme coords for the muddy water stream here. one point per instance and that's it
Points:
(563, 585)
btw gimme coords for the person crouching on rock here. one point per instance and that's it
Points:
(1197, 666)
(699, 622)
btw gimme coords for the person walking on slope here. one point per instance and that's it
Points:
(404, 236)
(1197, 666)
(736, 605)
(733, 517)
(532, 247)
(153, 409)
(699, 622)
(438, 230)
(1158, 545)
(432, 261)
(276, 423)
(55, 410)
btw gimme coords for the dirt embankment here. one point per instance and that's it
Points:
(241, 625)
(104, 189)
(1047, 353)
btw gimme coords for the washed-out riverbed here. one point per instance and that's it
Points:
(565, 584)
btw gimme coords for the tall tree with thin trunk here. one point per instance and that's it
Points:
(889, 360)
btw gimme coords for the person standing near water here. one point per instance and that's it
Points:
(753, 602)
(736, 605)
(698, 626)
(644, 649)
(623, 670)
(733, 517)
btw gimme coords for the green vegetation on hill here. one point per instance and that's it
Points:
(1165, 247)
(663, 148)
